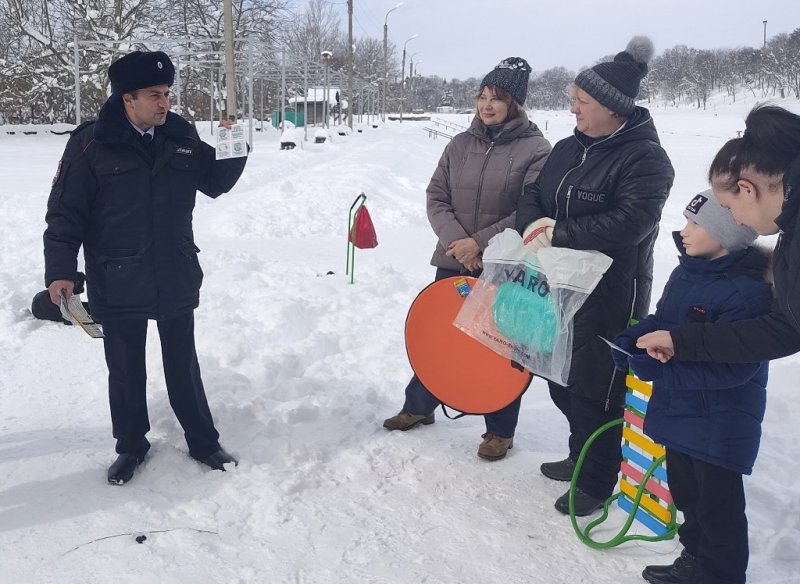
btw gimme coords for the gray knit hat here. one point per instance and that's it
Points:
(512, 75)
(705, 210)
(615, 84)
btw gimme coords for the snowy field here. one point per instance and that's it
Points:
(301, 368)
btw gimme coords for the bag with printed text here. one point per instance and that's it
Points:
(523, 304)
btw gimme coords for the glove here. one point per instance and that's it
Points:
(621, 359)
(645, 367)
(539, 234)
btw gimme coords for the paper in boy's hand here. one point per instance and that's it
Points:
(615, 347)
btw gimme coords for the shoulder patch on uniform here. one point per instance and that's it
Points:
(58, 173)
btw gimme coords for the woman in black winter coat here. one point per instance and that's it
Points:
(601, 189)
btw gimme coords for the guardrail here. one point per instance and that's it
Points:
(449, 125)
(434, 133)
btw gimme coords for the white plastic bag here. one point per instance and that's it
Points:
(523, 304)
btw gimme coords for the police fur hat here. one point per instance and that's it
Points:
(140, 69)
(615, 84)
(512, 75)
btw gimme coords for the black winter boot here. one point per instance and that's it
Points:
(683, 570)
(585, 504)
(559, 471)
(121, 471)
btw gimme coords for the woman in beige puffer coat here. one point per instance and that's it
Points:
(473, 196)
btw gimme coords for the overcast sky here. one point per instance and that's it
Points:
(467, 38)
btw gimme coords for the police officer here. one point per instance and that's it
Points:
(125, 190)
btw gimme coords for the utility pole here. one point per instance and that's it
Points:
(230, 74)
(386, 60)
(765, 33)
(350, 101)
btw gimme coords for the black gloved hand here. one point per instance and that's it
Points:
(645, 367)
(623, 341)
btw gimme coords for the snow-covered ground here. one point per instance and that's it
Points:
(301, 368)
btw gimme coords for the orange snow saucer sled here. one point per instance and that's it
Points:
(461, 372)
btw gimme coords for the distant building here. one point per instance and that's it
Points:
(314, 104)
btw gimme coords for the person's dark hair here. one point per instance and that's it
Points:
(771, 141)
(514, 109)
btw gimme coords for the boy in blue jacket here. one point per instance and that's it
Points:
(707, 415)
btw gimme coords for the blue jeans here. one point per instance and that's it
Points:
(420, 401)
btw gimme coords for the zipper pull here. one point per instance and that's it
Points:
(491, 145)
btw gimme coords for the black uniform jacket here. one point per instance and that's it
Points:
(773, 335)
(605, 194)
(131, 209)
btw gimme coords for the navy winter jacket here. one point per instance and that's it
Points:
(607, 195)
(132, 213)
(710, 411)
(771, 335)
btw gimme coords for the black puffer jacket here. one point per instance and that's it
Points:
(132, 214)
(606, 195)
(774, 335)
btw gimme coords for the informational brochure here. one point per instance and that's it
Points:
(616, 347)
(231, 142)
(72, 310)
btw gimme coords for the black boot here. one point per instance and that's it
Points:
(559, 471)
(217, 460)
(123, 468)
(585, 504)
(682, 571)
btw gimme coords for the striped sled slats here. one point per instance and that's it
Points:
(656, 510)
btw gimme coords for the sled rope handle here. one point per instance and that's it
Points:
(621, 536)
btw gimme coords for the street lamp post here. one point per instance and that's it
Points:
(411, 79)
(326, 58)
(411, 65)
(403, 80)
(765, 32)
(386, 60)
(414, 75)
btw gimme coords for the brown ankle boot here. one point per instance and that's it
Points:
(405, 421)
(494, 447)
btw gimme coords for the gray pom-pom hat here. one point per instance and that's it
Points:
(615, 84)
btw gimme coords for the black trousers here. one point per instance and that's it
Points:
(124, 344)
(714, 522)
(600, 468)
